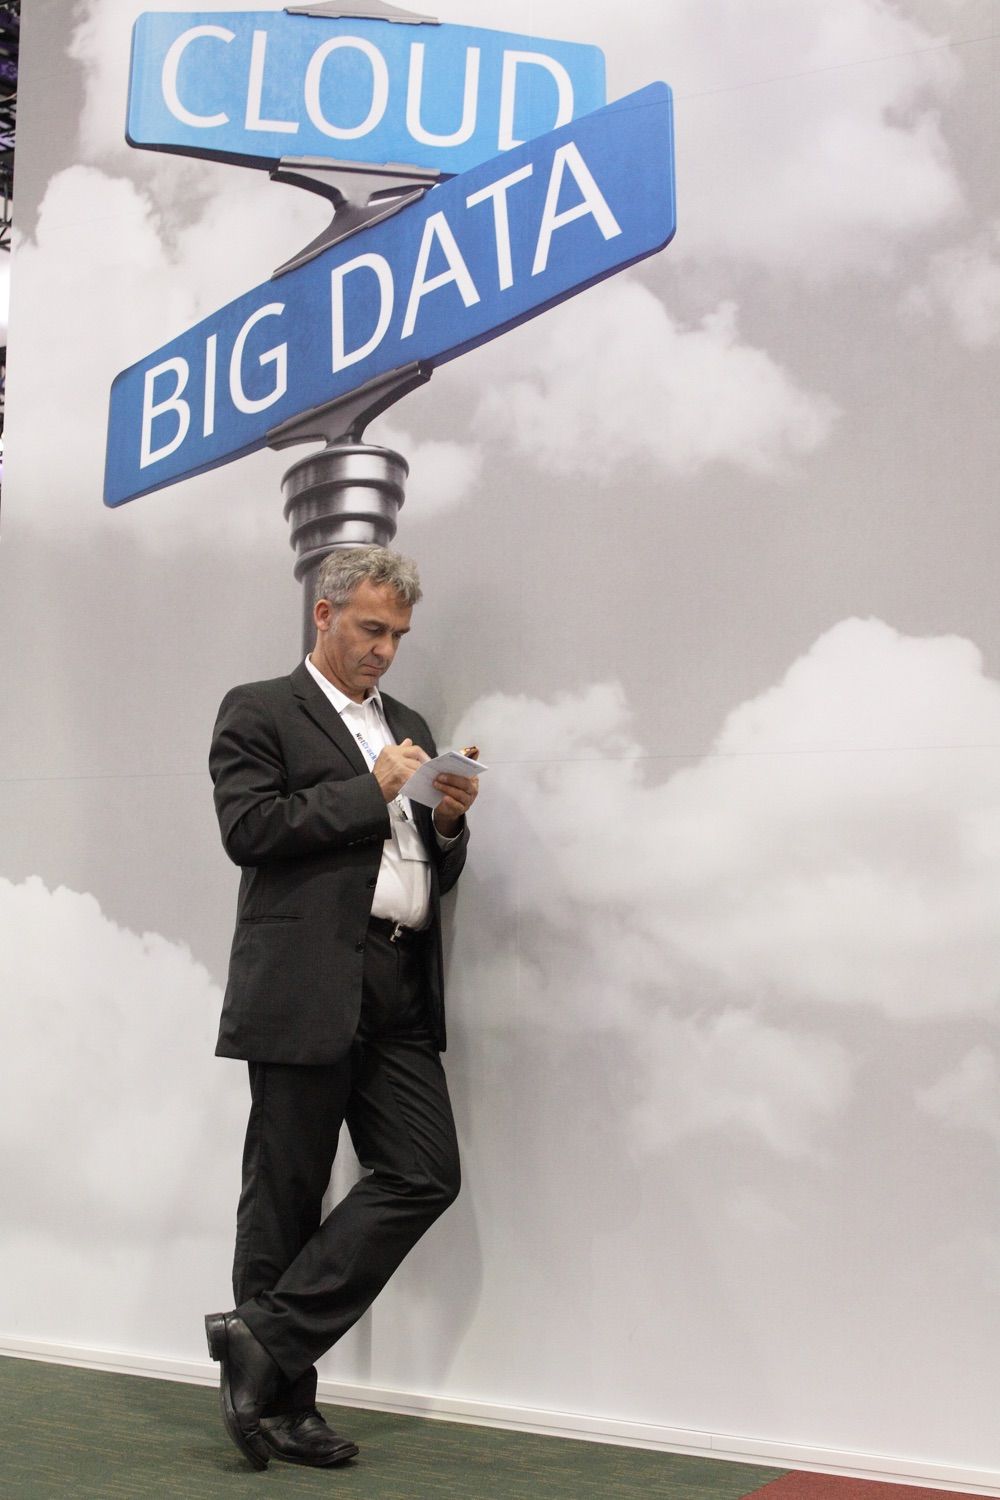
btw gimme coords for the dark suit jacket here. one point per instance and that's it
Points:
(302, 814)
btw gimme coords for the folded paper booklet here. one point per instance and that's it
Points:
(421, 788)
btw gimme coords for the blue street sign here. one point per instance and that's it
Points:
(257, 86)
(475, 256)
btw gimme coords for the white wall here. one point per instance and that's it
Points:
(710, 561)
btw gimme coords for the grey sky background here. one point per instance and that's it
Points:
(710, 561)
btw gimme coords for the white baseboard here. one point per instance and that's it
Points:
(546, 1423)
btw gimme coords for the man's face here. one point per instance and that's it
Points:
(356, 643)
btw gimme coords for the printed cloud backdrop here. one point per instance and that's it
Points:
(823, 851)
(710, 562)
(617, 379)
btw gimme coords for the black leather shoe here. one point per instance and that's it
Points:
(304, 1438)
(250, 1380)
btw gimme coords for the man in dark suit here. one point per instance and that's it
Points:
(335, 998)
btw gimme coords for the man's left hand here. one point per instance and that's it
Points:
(459, 794)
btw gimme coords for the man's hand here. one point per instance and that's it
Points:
(396, 764)
(459, 794)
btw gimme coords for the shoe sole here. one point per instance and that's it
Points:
(251, 1444)
(351, 1450)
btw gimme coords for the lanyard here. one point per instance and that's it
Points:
(373, 757)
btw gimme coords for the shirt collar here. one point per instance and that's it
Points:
(340, 700)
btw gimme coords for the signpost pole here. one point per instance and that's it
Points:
(348, 493)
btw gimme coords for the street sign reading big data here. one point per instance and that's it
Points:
(545, 193)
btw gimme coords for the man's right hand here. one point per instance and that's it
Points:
(396, 764)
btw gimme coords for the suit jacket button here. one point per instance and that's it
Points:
(373, 882)
(359, 947)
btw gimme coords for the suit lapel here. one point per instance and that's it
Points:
(316, 705)
(390, 708)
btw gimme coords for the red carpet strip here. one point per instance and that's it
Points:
(800, 1485)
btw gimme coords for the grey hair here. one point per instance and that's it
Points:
(347, 567)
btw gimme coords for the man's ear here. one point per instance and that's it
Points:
(323, 614)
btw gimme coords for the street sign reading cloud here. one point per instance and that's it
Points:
(474, 257)
(260, 85)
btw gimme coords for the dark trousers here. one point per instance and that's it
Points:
(301, 1282)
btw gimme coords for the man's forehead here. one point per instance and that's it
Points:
(380, 599)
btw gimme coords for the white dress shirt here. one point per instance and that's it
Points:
(403, 891)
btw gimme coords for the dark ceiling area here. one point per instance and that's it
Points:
(10, 33)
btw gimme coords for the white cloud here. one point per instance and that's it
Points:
(968, 1096)
(963, 282)
(839, 844)
(616, 379)
(112, 1033)
(864, 685)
